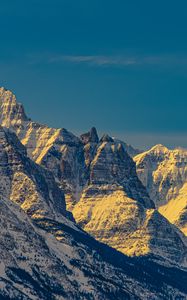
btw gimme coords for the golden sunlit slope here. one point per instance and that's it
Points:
(164, 174)
(176, 209)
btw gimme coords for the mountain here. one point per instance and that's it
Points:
(45, 255)
(101, 186)
(37, 137)
(164, 173)
(115, 208)
(56, 149)
(66, 155)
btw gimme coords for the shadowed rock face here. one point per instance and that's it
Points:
(102, 189)
(106, 138)
(164, 173)
(90, 137)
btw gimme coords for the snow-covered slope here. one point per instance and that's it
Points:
(44, 255)
(164, 173)
(36, 264)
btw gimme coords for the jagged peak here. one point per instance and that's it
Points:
(68, 137)
(2, 89)
(106, 138)
(90, 137)
(8, 96)
(11, 111)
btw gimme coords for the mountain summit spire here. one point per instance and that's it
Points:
(11, 112)
(90, 137)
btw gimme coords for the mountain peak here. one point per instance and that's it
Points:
(11, 112)
(106, 138)
(164, 173)
(159, 148)
(90, 137)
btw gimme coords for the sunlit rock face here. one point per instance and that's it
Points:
(100, 184)
(12, 112)
(164, 173)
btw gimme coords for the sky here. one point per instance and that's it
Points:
(118, 65)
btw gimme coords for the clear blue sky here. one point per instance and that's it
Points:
(118, 65)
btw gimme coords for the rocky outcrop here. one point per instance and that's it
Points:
(12, 112)
(90, 137)
(164, 173)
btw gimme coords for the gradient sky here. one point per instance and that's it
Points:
(118, 65)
